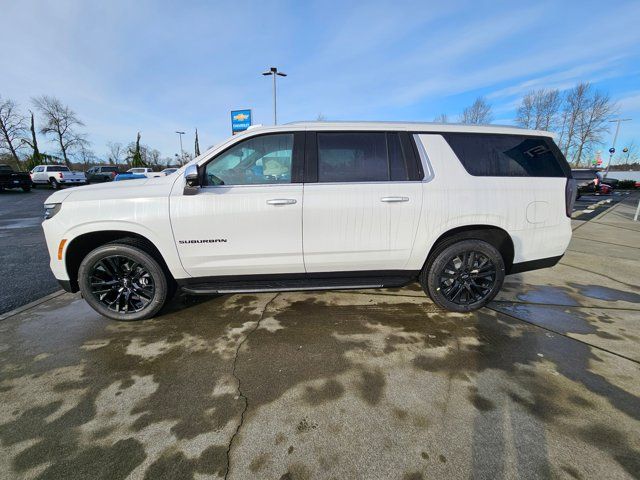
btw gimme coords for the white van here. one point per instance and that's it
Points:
(311, 206)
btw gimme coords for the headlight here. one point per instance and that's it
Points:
(50, 209)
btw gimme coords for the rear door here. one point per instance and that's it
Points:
(362, 201)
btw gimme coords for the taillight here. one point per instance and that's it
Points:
(570, 196)
(60, 175)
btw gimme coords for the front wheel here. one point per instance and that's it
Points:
(463, 276)
(123, 282)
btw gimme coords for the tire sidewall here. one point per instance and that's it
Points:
(443, 257)
(155, 270)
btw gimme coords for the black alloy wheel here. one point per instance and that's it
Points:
(122, 281)
(122, 284)
(463, 275)
(467, 278)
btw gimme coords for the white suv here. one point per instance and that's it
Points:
(313, 206)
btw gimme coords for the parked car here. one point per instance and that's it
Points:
(315, 206)
(169, 171)
(589, 181)
(137, 173)
(101, 174)
(12, 179)
(57, 176)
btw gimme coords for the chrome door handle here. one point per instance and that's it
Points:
(281, 201)
(394, 199)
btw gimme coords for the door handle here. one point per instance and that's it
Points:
(281, 201)
(394, 199)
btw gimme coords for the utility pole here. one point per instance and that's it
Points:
(181, 150)
(273, 71)
(612, 150)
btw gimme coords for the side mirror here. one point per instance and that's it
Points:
(192, 180)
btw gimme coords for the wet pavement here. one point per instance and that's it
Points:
(24, 259)
(378, 384)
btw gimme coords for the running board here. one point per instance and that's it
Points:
(197, 290)
(281, 283)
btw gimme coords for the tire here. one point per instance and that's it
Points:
(54, 184)
(457, 287)
(111, 265)
(26, 189)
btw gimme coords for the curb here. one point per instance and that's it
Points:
(29, 306)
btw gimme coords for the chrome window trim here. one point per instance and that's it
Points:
(424, 159)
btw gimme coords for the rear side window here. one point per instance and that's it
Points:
(489, 155)
(360, 157)
(57, 169)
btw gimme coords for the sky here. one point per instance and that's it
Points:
(157, 67)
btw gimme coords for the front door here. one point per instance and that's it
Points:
(247, 217)
(362, 213)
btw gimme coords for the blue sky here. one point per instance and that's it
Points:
(157, 67)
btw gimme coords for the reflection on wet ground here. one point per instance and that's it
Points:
(378, 385)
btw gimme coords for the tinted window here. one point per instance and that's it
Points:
(109, 169)
(360, 157)
(57, 169)
(258, 160)
(508, 155)
(583, 175)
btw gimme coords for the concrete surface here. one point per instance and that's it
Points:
(24, 260)
(545, 383)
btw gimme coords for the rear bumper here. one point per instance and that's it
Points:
(534, 264)
(13, 184)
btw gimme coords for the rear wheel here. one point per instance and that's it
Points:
(123, 282)
(26, 188)
(463, 276)
(54, 184)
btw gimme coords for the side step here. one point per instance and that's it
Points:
(294, 285)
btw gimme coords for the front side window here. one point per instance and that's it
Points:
(256, 161)
(360, 157)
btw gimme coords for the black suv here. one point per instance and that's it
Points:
(587, 181)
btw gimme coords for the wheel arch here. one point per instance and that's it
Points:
(496, 236)
(81, 245)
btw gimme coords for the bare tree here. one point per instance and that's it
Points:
(12, 126)
(539, 109)
(442, 118)
(632, 154)
(477, 113)
(115, 153)
(86, 155)
(61, 123)
(153, 157)
(585, 121)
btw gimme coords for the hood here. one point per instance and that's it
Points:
(138, 188)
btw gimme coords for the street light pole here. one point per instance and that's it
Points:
(612, 150)
(273, 71)
(181, 150)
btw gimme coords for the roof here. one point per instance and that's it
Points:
(405, 126)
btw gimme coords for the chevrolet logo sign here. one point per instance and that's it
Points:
(240, 117)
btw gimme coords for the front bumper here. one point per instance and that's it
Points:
(68, 285)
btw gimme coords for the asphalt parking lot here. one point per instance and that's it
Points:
(24, 260)
(377, 384)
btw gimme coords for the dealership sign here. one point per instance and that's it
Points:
(240, 120)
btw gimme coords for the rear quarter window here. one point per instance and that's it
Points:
(493, 155)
